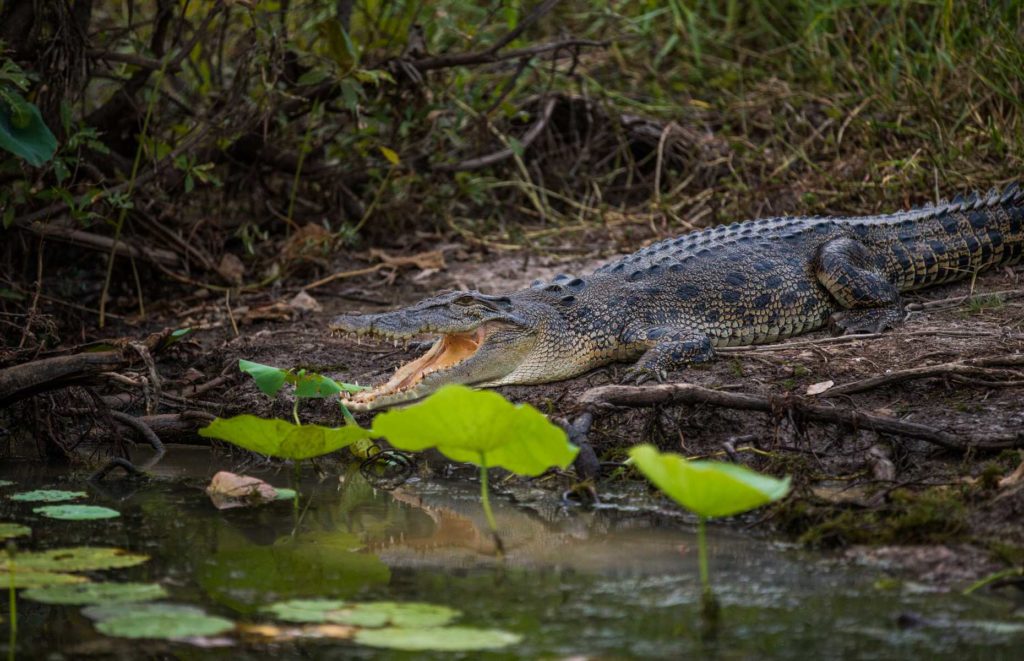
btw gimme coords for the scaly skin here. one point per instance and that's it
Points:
(669, 305)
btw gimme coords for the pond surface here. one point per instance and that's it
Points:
(611, 583)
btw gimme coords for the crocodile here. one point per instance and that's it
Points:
(671, 303)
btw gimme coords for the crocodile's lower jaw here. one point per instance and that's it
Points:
(406, 384)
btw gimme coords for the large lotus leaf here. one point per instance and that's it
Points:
(463, 423)
(101, 612)
(97, 593)
(279, 438)
(304, 610)
(22, 130)
(441, 639)
(47, 496)
(77, 512)
(708, 488)
(76, 558)
(10, 530)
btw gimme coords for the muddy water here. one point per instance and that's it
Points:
(614, 583)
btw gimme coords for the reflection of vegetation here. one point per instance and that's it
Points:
(322, 564)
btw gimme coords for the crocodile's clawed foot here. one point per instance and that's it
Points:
(640, 375)
(865, 321)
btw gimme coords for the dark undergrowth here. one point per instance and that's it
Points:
(232, 145)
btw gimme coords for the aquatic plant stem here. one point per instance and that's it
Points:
(485, 500)
(13, 614)
(702, 551)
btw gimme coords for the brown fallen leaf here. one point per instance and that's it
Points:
(818, 388)
(228, 490)
(271, 632)
(432, 259)
(1013, 478)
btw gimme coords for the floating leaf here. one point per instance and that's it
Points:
(442, 639)
(9, 530)
(366, 614)
(707, 488)
(304, 610)
(274, 633)
(28, 578)
(97, 593)
(5, 483)
(76, 558)
(77, 512)
(22, 130)
(268, 379)
(228, 490)
(47, 496)
(462, 423)
(100, 612)
(285, 494)
(165, 621)
(283, 439)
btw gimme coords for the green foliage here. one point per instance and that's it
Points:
(372, 614)
(77, 558)
(282, 439)
(309, 385)
(162, 621)
(22, 130)
(707, 488)
(479, 427)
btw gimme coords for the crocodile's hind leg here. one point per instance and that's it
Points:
(871, 303)
(670, 348)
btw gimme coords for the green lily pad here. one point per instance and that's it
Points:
(28, 578)
(5, 483)
(464, 424)
(279, 438)
(441, 639)
(305, 610)
(47, 496)
(101, 612)
(77, 512)
(164, 621)
(368, 614)
(22, 130)
(97, 593)
(708, 488)
(75, 558)
(11, 530)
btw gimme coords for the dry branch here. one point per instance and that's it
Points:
(970, 368)
(686, 393)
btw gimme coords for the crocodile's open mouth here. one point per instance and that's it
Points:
(448, 351)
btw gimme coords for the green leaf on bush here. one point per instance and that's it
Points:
(463, 423)
(96, 593)
(77, 512)
(22, 130)
(279, 438)
(268, 379)
(708, 488)
(47, 496)
(441, 639)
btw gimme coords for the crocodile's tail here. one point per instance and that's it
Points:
(950, 240)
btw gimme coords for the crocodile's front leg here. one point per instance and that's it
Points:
(670, 349)
(872, 303)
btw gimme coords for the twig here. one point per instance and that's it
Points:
(503, 154)
(975, 367)
(344, 274)
(686, 393)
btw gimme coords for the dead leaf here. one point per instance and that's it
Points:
(229, 490)
(271, 632)
(1013, 478)
(818, 388)
(231, 268)
(303, 302)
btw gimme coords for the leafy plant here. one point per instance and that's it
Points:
(22, 130)
(479, 427)
(708, 489)
(77, 512)
(308, 385)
